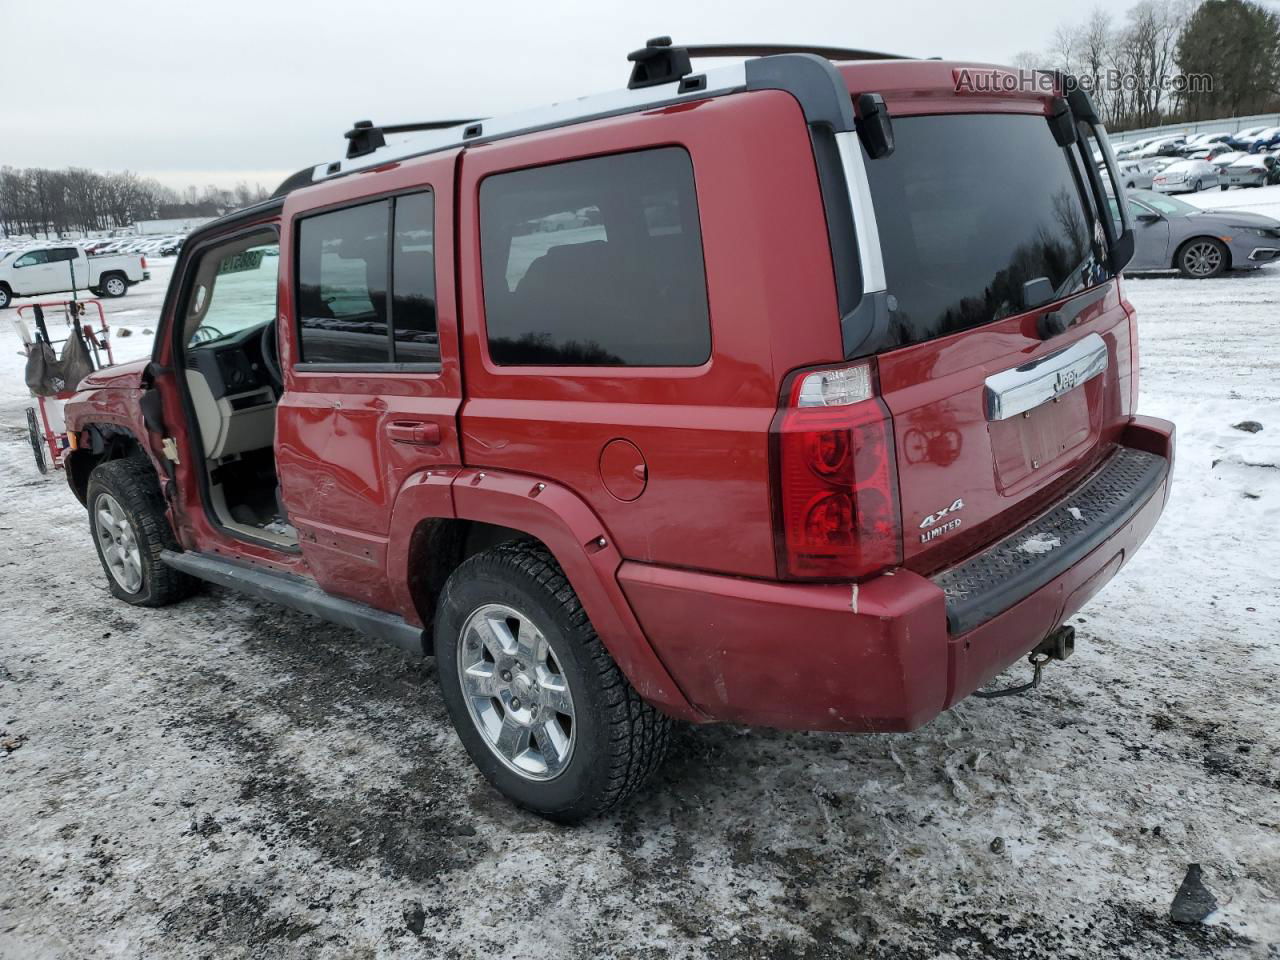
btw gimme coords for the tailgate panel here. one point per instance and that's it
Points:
(963, 477)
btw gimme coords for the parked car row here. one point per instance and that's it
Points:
(1202, 146)
(164, 246)
(1222, 169)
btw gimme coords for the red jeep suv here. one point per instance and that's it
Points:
(798, 392)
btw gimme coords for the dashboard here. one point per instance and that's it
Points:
(232, 393)
(231, 365)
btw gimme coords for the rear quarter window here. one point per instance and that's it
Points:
(595, 262)
(970, 207)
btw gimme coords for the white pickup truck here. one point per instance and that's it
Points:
(36, 271)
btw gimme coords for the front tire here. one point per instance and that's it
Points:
(129, 528)
(541, 707)
(114, 286)
(6, 297)
(1202, 258)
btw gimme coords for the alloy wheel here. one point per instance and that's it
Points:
(118, 542)
(1202, 259)
(115, 287)
(516, 693)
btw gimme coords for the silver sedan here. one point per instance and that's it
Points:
(1186, 176)
(1172, 235)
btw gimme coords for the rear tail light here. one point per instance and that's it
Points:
(144, 263)
(838, 516)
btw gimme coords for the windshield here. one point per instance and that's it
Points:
(235, 289)
(972, 207)
(1167, 205)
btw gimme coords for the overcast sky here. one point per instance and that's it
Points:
(195, 92)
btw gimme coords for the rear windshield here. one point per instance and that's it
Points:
(970, 208)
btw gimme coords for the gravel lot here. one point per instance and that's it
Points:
(227, 779)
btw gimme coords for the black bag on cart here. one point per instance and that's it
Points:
(76, 363)
(48, 375)
(44, 372)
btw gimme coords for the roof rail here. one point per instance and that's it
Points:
(703, 50)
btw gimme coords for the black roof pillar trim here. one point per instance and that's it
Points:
(303, 178)
(828, 109)
(812, 80)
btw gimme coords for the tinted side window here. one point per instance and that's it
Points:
(63, 253)
(413, 275)
(342, 285)
(596, 262)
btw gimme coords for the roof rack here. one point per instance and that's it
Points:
(661, 73)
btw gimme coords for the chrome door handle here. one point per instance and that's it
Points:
(415, 432)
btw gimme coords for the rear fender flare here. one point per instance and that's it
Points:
(576, 538)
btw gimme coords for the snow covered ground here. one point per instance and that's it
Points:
(226, 779)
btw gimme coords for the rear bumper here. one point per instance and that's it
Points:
(878, 656)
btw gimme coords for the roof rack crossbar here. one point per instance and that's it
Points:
(429, 125)
(365, 137)
(704, 50)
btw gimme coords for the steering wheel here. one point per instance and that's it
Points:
(205, 334)
(271, 354)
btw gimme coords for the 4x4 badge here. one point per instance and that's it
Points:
(937, 517)
(933, 518)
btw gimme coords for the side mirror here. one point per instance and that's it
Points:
(1149, 218)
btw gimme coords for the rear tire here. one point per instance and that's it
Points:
(129, 528)
(1202, 258)
(6, 297)
(114, 285)
(1224, 186)
(541, 707)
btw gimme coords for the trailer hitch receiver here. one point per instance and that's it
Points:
(1058, 645)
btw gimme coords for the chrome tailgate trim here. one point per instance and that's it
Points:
(1013, 392)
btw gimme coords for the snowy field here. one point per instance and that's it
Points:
(226, 779)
